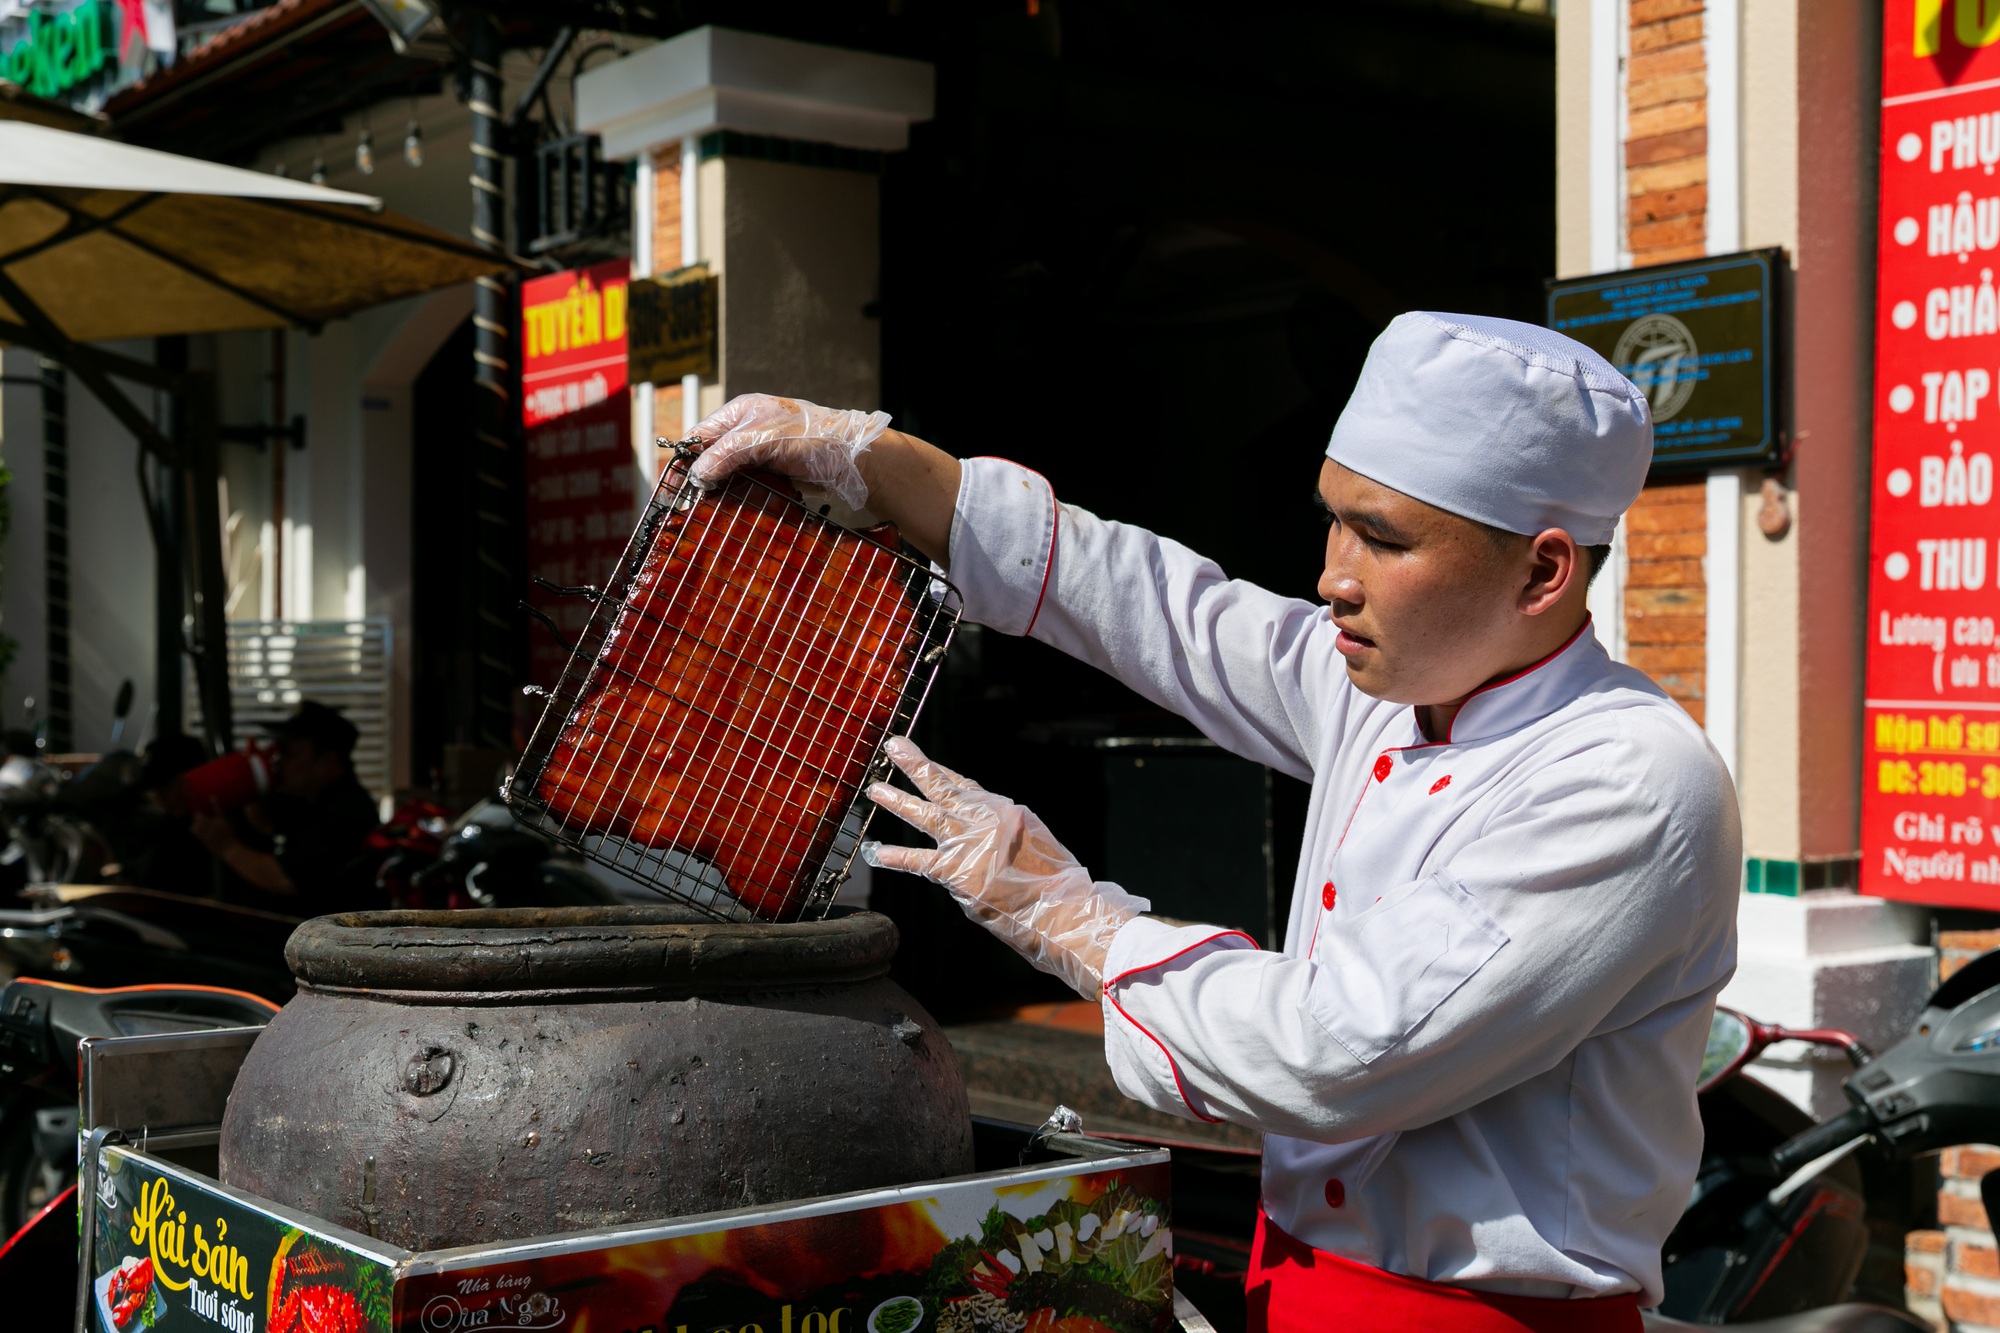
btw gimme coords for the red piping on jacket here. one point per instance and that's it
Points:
(1048, 563)
(1055, 526)
(1529, 669)
(1180, 1087)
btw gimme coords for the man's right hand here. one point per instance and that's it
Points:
(851, 453)
(790, 435)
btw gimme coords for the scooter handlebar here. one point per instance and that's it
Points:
(1821, 1139)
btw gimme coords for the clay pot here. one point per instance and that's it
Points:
(452, 1078)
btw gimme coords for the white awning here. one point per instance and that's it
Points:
(37, 155)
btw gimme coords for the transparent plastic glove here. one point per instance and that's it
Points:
(1006, 870)
(803, 440)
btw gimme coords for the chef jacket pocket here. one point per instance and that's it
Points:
(1382, 973)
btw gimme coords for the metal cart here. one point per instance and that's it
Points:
(1055, 1233)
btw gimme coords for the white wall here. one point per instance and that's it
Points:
(110, 556)
(111, 564)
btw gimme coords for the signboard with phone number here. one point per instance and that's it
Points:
(1931, 776)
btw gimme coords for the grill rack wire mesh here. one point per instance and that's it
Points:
(801, 732)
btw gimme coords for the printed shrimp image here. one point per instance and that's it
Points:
(309, 1291)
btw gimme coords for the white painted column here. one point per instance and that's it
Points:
(1607, 134)
(1606, 599)
(713, 78)
(1722, 572)
(644, 207)
(1722, 30)
(690, 254)
(1607, 244)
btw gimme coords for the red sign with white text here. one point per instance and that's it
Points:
(578, 412)
(1930, 806)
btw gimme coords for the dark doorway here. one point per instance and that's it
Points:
(1144, 249)
(444, 614)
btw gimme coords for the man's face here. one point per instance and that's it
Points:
(304, 769)
(1428, 603)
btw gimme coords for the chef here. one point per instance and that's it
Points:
(1473, 1062)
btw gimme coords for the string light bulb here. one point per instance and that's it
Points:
(413, 145)
(319, 169)
(364, 154)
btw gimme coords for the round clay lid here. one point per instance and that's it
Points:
(518, 953)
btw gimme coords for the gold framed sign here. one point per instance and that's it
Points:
(672, 326)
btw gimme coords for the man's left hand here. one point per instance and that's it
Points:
(1006, 870)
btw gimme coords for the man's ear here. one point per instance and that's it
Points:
(1555, 565)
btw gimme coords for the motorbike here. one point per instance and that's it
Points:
(64, 829)
(41, 1023)
(108, 934)
(484, 858)
(1777, 1221)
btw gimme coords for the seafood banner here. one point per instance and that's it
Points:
(172, 1253)
(1930, 809)
(1089, 1251)
(578, 471)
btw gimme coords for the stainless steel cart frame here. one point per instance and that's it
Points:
(211, 1256)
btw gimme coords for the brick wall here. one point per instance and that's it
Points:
(667, 209)
(1956, 948)
(1666, 132)
(1666, 599)
(1952, 1276)
(1666, 218)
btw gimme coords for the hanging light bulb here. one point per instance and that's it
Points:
(413, 145)
(364, 154)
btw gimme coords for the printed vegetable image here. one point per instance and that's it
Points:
(131, 1290)
(1078, 1268)
(898, 1314)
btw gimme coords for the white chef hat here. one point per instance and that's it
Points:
(1508, 423)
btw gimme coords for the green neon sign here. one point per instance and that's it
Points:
(59, 52)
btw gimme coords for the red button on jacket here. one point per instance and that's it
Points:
(1326, 896)
(1383, 767)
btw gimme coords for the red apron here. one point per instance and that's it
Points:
(1293, 1288)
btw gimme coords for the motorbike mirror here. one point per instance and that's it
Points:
(121, 706)
(1731, 1044)
(1977, 977)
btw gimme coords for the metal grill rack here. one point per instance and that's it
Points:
(715, 729)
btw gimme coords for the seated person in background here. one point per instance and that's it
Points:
(156, 848)
(300, 850)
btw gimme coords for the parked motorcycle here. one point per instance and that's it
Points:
(93, 826)
(116, 935)
(485, 858)
(1777, 1220)
(40, 1024)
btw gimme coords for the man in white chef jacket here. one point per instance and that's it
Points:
(1474, 1060)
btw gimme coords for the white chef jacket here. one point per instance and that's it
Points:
(1474, 1059)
